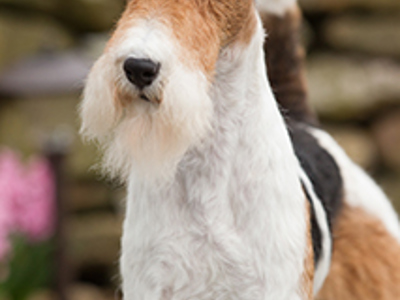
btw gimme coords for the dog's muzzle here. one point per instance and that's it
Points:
(141, 72)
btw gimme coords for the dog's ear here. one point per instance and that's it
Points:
(99, 110)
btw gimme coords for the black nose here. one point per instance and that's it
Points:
(141, 72)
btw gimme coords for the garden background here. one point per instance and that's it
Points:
(46, 50)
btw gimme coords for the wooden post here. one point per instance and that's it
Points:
(56, 149)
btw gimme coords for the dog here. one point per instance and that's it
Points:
(364, 227)
(227, 199)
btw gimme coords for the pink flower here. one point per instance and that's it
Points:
(36, 213)
(26, 200)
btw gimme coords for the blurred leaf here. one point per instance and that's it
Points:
(30, 269)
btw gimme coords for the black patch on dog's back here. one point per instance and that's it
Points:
(323, 173)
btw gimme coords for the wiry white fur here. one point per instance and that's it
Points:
(276, 7)
(359, 189)
(232, 222)
(148, 138)
(324, 263)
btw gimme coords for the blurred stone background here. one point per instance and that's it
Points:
(47, 47)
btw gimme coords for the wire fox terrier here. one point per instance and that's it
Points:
(226, 199)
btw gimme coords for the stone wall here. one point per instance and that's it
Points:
(46, 50)
(353, 73)
(30, 26)
(354, 79)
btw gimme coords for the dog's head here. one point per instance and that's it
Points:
(147, 97)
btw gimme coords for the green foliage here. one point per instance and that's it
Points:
(30, 269)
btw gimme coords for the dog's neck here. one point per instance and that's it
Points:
(249, 139)
(235, 201)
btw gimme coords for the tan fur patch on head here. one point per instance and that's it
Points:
(201, 27)
(236, 19)
(365, 260)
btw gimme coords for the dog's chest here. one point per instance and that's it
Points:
(212, 233)
(180, 250)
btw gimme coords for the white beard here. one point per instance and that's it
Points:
(138, 136)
